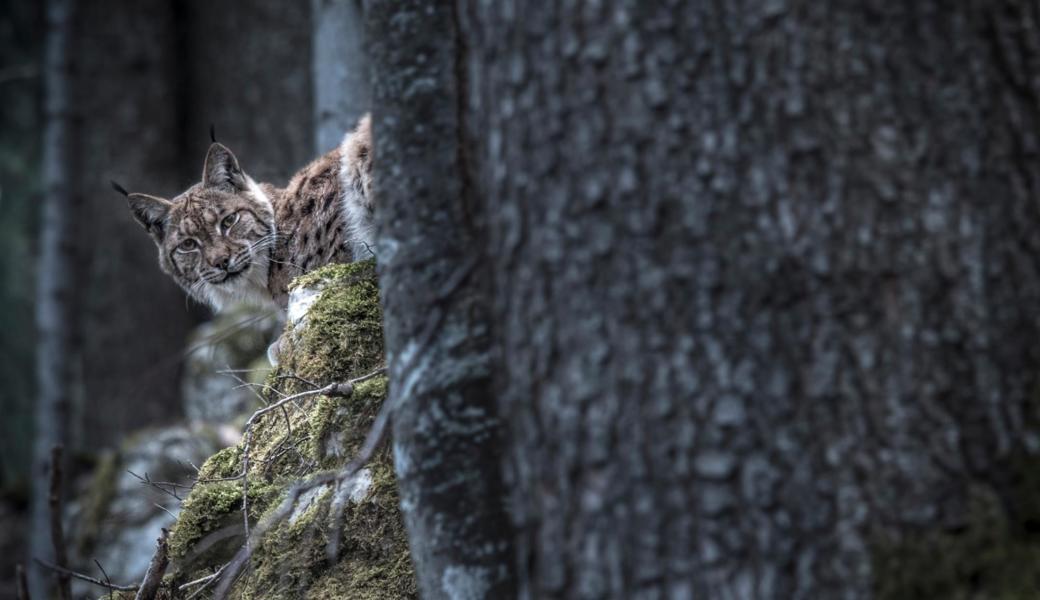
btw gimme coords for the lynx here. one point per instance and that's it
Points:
(229, 238)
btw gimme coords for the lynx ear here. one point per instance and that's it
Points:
(150, 212)
(221, 170)
(357, 157)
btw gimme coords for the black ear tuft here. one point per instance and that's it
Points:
(119, 188)
(212, 134)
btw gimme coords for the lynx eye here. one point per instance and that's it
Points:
(229, 221)
(187, 245)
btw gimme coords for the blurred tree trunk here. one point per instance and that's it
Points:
(245, 71)
(341, 89)
(56, 277)
(135, 320)
(763, 283)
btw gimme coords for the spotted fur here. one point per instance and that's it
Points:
(229, 238)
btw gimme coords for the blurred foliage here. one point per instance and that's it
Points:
(21, 35)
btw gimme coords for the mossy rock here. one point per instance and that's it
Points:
(339, 339)
(342, 333)
(994, 556)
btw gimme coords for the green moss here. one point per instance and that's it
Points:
(210, 523)
(225, 463)
(341, 339)
(995, 556)
(373, 562)
(343, 333)
(97, 501)
(338, 425)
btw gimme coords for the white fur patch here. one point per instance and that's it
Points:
(301, 299)
(260, 196)
(249, 287)
(357, 210)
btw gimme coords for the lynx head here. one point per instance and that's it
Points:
(214, 239)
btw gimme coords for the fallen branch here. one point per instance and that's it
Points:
(332, 389)
(156, 569)
(87, 578)
(374, 439)
(57, 531)
(205, 581)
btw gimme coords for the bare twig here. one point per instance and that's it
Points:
(108, 581)
(57, 531)
(164, 509)
(156, 569)
(332, 389)
(82, 577)
(146, 480)
(22, 583)
(205, 581)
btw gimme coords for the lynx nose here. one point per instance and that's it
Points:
(223, 264)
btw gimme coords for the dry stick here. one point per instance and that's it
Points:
(57, 532)
(82, 577)
(205, 581)
(111, 593)
(156, 569)
(23, 585)
(146, 480)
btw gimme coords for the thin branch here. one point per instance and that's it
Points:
(57, 531)
(108, 581)
(205, 581)
(146, 480)
(164, 509)
(156, 569)
(22, 583)
(332, 389)
(82, 577)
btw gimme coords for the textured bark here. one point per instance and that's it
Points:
(445, 431)
(55, 294)
(765, 280)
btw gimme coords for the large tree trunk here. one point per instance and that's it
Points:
(763, 285)
(447, 447)
(55, 292)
